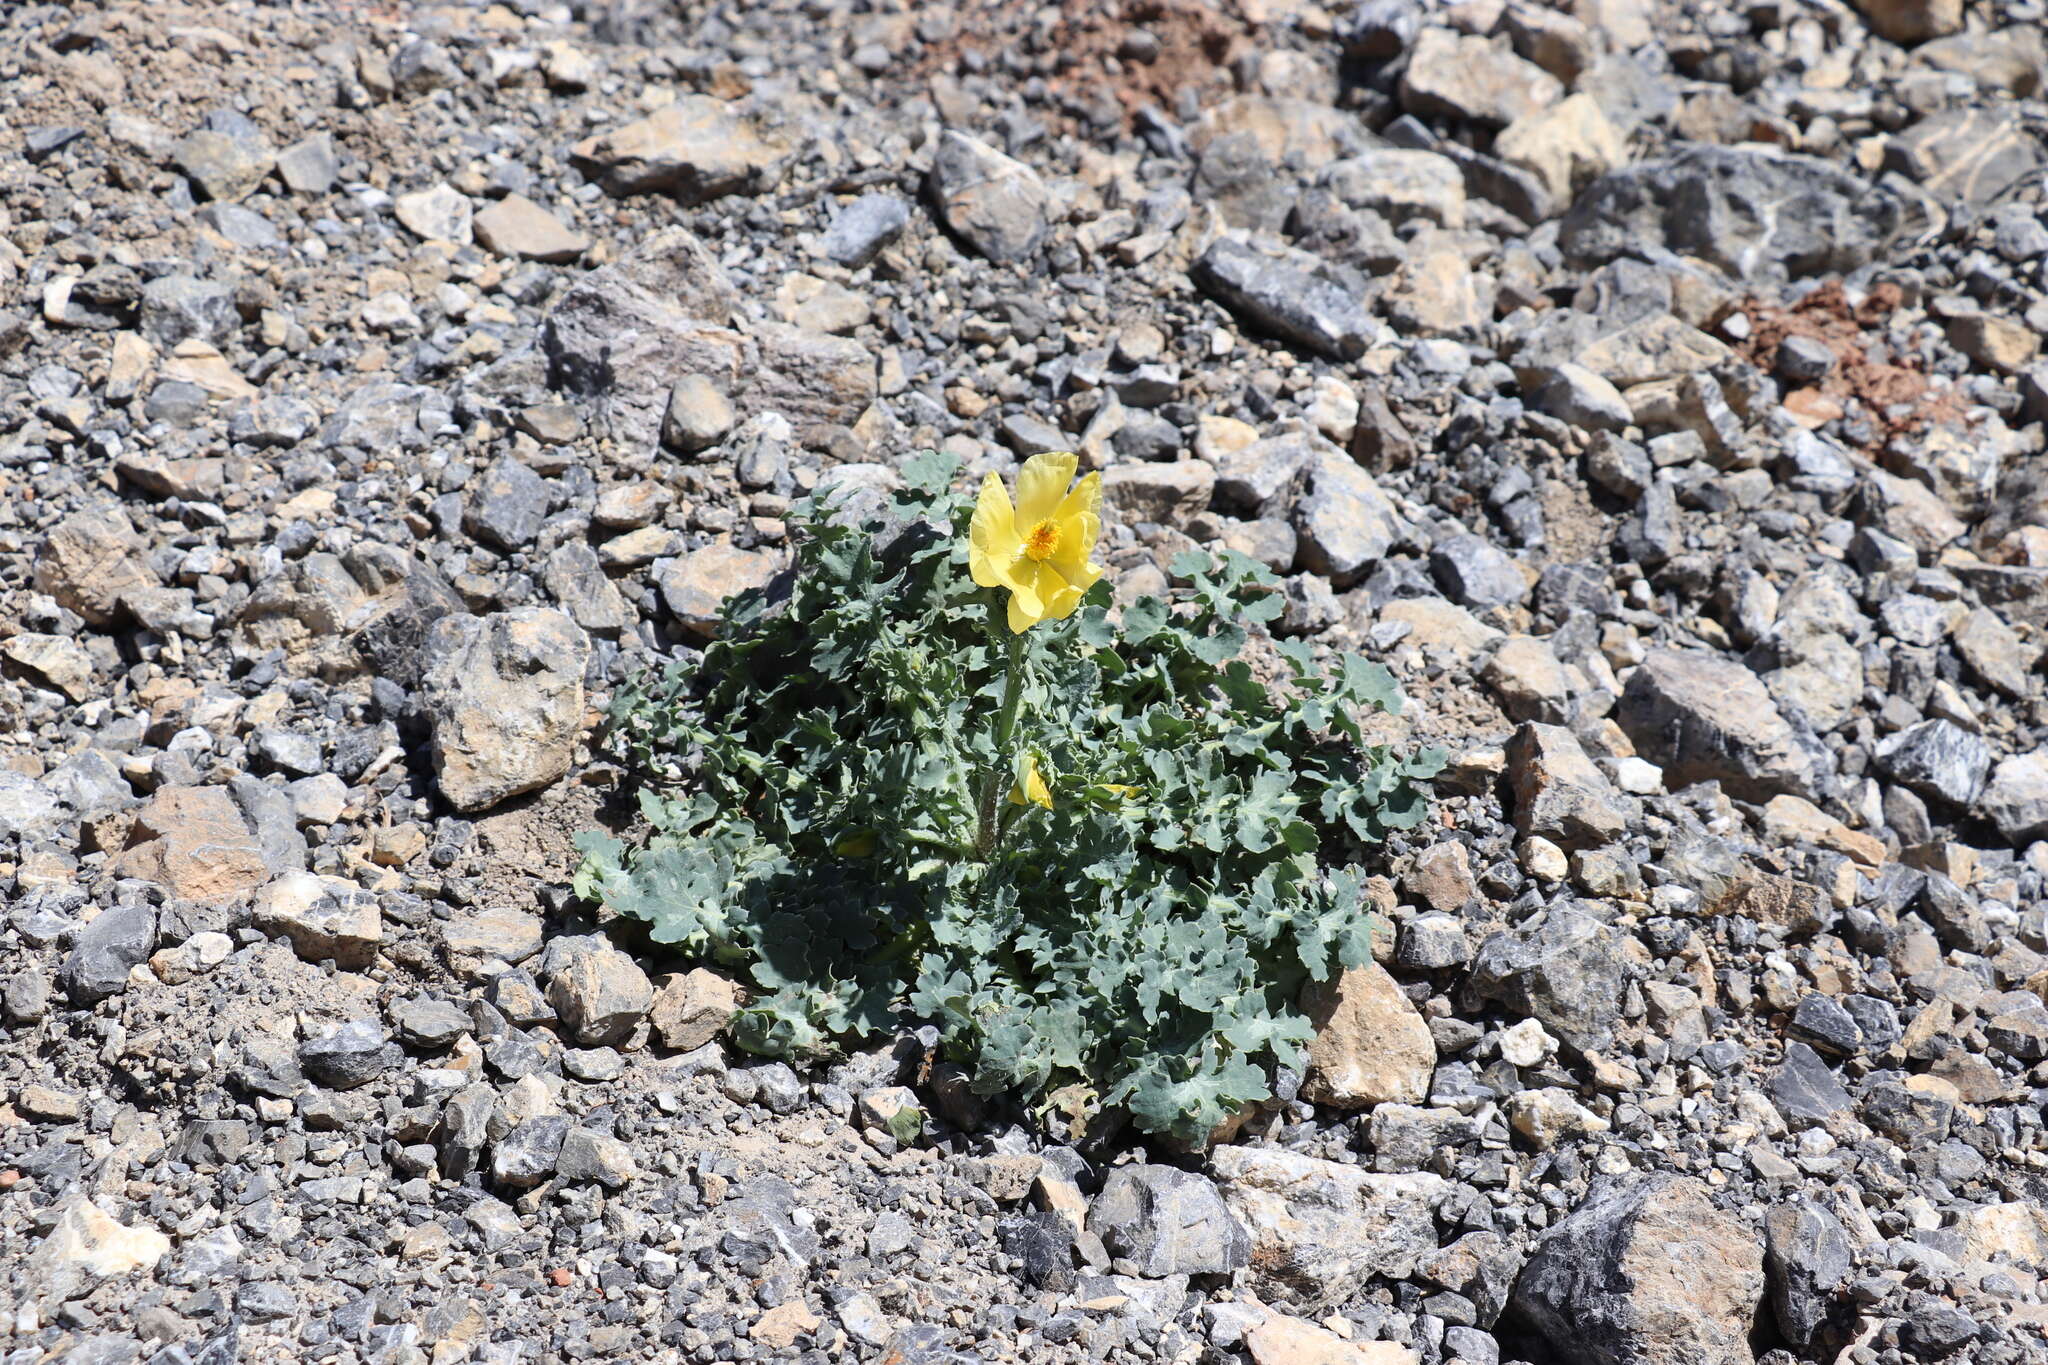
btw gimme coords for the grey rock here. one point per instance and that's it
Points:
(1807, 1258)
(1644, 1271)
(504, 695)
(995, 204)
(860, 230)
(527, 1155)
(1043, 1243)
(600, 993)
(1346, 523)
(1704, 718)
(354, 1054)
(241, 227)
(113, 943)
(1804, 359)
(508, 506)
(1937, 758)
(427, 1022)
(589, 1155)
(2016, 798)
(227, 158)
(1756, 214)
(272, 420)
(1564, 969)
(1168, 1222)
(178, 307)
(378, 416)
(1289, 294)
(577, 582)
(1474, 573)
(422, 66)
(698, 415)
(1805, 1089)
(309, 166)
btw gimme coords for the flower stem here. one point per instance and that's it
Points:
(1006, 724)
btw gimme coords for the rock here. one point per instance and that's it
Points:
(1578, 397)
(504, 694)
(508, 506)
(1320, 1226)
(861, 229)
(1346, 523)
(1548, 1115)
(1756, 214)
(695, 585)
(1168, 1222)
(227, 159)
(692, 1008)
(195, 843)
(1703, 718)
(90, 560)
(178, 308)
(1805, 1089)
(1441, 877)
(1526, 677)
(426, 1022)
(1971, 156)
(354, 1054)
(1474, 573)
(1567, 146)
(1937, 758)
(440, 213)
(1564, 969)
(1645, 1271)
(997, 205)
(589, 1155)
(1807, 1258)
(58, 660)
(698, 417)
(526, 1155)
(113, 943)
(1994, 342)
(1464, 76)
(1399, 184)
(696, 149)
(1559, 794)
(86, 1246)
(1288, 293)
(309, 166)
(1994, 653)
(2016, 798)
(1370, 1044)
(324, 917)
(517, 227)
(1283, 1340)
(1166, 493)
(600, 993)
(1912, 21)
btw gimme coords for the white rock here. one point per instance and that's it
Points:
(1526, 1044)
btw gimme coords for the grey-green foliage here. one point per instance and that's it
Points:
(811, 806)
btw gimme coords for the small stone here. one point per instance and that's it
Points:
(1370, 1044)
(600, 992)
(1168, 1221)
(861, 229)
(494, 935)
(698, 415)
(1169, 494)
(588, 1155)
(692, 1008)
(696, 149)
(1559, 793)
(324, 917)
(1314, 1224)
(694, 586)
(995, 204)
(1563, 968)
(505, 696)
(1288, 293)
(427, 1022)
(1937, 758)
(1463, 76)
(437, 213)
(85, 1247)
(526, 1155)
(1546, 1116)
(517, 227)
(309, 166)
(1912, 21)
(508, 506)
(354, 1054)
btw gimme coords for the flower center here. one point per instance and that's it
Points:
(1042, 540)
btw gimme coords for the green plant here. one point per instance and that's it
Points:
(816, 818)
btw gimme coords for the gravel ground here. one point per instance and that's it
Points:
(1656, 388)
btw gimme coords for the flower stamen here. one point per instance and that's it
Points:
(1042, 541)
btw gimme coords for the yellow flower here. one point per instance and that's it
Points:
(1030, 788)
(1040, 549)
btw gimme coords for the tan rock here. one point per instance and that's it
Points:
(1371, 1046)
(1442, 631)
(1995, 342)
(1526, 677)
(1567, 146)
(697, 149)
(58, 660)
(500, 934)
(128, 366)
(505, 696)
(515, 226)
(695, 585)
(1559, 793)
(1793, 819)
(89, 559)
(1318, 1225)
(781, 1325)
(1465, 76)
(1441, 877)
(194, 843)
(86, 1246)
(691, 1008)
(1284, 1340)
(324, 917)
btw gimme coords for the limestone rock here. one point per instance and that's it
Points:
(195, 843)
(692, 1008)
(86, 1246)
(1371, 1046)
(324, 917)
(695, 585)
(995, 204)
(516, 226)
(89, 560)
(600, 992)
(696, 149)
(1465, 76)
(1321, 1226)
(505, 696)
(1559, 794)
(1645, 1272)
(1705, 718)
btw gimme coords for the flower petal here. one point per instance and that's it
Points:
(1024, 613)
(992, 542)
(1041, 484)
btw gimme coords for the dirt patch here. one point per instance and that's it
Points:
(1161, 47)
(1896, 400)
